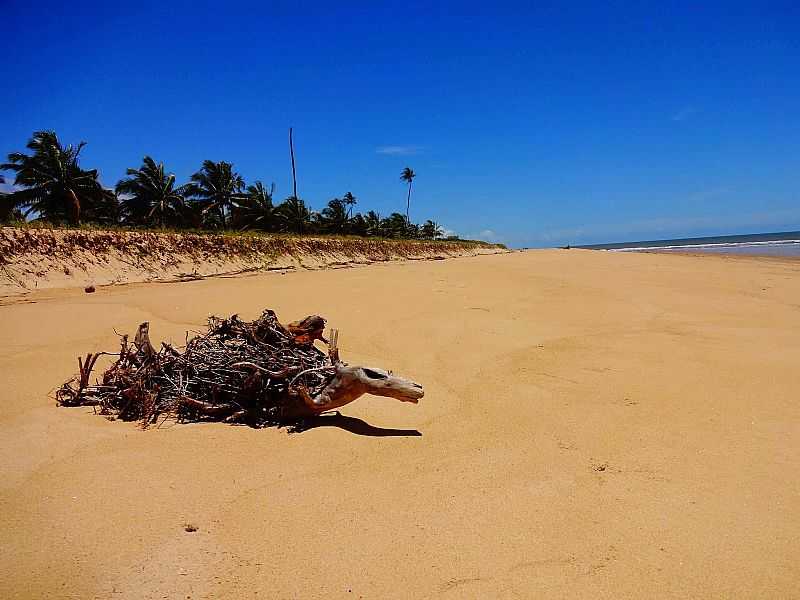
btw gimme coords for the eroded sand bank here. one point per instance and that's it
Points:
(35, 259)
(595, 425)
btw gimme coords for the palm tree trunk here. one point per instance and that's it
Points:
(408, 205)
(76, 206)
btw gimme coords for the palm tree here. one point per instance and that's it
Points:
(408, 176)
(104, 208)
(334, 216)
(6, 207)
(373, 223)
(349, 201)
(394, 226)
(255, 210)
(193, 215)
(152, 197)
(357, 225)
(431, 230)
(54, 185)
(8, 212)
(294, 215)
(217, 186)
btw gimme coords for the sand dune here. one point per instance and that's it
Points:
(595, 425)
(33, 259)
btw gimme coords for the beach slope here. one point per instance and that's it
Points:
(595, 425)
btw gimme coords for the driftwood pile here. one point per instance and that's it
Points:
(239, 372)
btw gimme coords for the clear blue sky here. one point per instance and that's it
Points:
(533, 125)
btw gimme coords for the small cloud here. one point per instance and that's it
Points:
(398, 150)
(684, 113)
(488, 235)
(448, 232)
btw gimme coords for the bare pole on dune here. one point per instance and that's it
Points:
(294, 174)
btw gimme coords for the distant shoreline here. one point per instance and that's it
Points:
(779, 244)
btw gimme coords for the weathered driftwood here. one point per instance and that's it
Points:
(258, 372)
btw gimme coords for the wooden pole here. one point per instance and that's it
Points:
(294, 174)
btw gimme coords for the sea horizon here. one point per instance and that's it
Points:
(781, 243)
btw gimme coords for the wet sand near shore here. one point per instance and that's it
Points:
(595, 425)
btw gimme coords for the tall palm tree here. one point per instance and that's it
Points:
(349, 201)
(255, 210)
(152, 197)
(408, 176)
(217, 186)
(294, 215)
(54, 185)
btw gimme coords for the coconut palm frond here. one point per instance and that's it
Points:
(54, 185)
(150, 195)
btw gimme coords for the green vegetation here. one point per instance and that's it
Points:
(51, 187)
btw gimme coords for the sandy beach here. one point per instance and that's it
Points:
(595, 425)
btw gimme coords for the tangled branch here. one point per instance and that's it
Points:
(238, 371)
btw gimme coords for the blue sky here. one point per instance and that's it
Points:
(535, 124)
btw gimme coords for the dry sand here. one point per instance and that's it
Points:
(595, 425)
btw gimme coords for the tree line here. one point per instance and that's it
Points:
(51, 186)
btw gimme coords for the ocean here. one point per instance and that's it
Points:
(786, 243)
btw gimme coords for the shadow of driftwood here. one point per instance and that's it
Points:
(357, 426)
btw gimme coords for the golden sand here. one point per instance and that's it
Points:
(595, 425)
